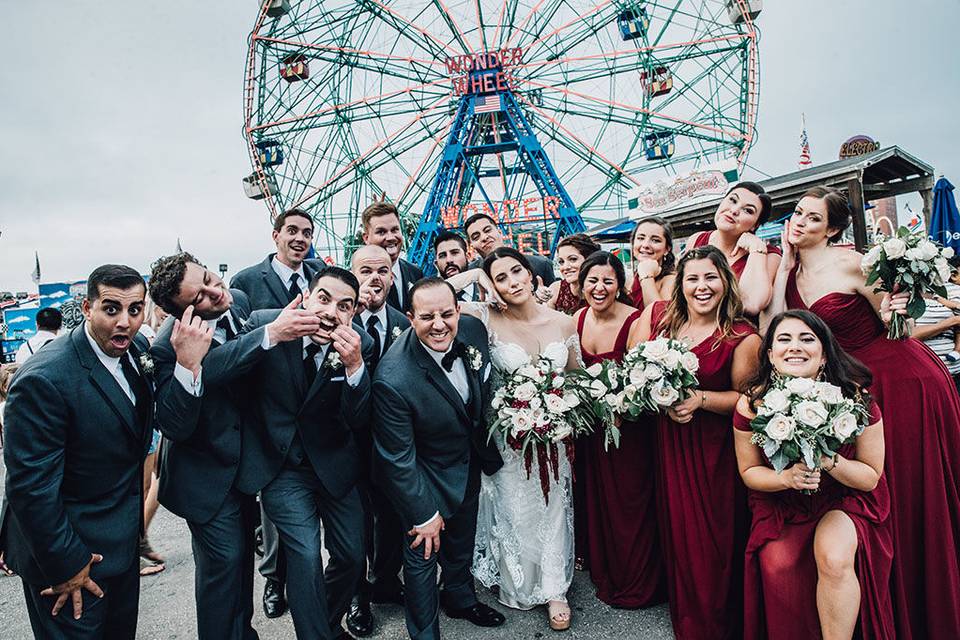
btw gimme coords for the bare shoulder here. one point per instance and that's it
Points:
(743, 407)
(848, 259)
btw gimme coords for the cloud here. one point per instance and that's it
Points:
(19, 319)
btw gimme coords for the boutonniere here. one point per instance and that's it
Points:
(474, 358)
(395, 333)
(333, 360)
(146, 364)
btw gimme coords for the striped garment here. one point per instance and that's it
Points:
(943, 343)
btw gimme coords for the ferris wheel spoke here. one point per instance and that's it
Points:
(453, 26)
(402, 25)
(378, 145)
(415, 176)
(519, 27)
(529, 49)
(338, 54)
(579, 31)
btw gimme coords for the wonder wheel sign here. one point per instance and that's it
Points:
(538, 112)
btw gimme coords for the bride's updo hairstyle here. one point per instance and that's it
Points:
(606, 259)
(838, 209)
(506, 252)
(839, 367)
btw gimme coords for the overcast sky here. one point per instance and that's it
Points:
(121, 123)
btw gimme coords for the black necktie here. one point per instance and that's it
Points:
(372, 322)
(458, 350)
(224, 323)
(294, 287)
(137, 385)
(462, 296)
(310, 362)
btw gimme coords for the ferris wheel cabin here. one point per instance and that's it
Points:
(660, 145)
(270, 153)
(633, 23)
(657, 81)
(252, 187)
(277, 8)
(753, 9)
(294, 68)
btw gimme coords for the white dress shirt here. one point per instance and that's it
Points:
(381, 315)
(185, 377)
(458, 378)
(352, 380)
(112, 365)
(31, 346)
(286, 272)
(398, 281)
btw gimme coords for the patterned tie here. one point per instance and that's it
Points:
(294, 287)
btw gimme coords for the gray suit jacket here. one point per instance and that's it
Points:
(201, 454)
(424, 435)
(324, 415)
(263, 286)
(74, 446)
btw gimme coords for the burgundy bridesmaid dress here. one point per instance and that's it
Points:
(738, 265)
(921, 426)
(636, 293)
(702, 505)
(780, 573)
(626, 564)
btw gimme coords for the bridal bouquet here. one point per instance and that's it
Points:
(653, 376)
(907, 262)
(801, 419)
(539, 410)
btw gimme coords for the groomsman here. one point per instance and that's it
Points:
(381, 226)
(450, 258)
(273, 284)
(383, 533)
(300, 453)
(201, 403)
(77, 426)
(485, 236)
(429, 449)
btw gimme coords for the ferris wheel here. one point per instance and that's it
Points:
(542, 113)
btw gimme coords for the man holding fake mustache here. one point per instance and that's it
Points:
(300, 451)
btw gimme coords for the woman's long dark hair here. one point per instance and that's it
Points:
(840, 368)
(506, 252)
(605, 258)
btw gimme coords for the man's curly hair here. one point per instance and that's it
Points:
(166, 276)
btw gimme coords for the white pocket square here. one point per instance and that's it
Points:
(486, 372)
(338, 379)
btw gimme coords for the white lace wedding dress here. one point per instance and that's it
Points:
(524, 545)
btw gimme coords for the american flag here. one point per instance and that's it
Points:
(804, 146)
(487, 104)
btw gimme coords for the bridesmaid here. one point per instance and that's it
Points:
(919, 403)
(700, 498)
(754, 262)
(651, 245)
(815, 563)
(626, 564)
(565, 293)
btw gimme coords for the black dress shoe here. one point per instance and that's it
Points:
(345, 636)
(274, 604)
(388, 596)
(359, 618)
(479, 614)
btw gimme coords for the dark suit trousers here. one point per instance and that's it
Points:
(113, 617)
(382, 531)
(300, 507)
(455, 558)
(273, 564)
(223, 576)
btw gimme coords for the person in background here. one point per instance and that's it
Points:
(939, 328)
(651, 246)
(484, 236)
(815, 563)
(6, 374)
(450, 258)
(273, 284)
(151, 562)
(741, 212)
(565, 293)
(382, 227)
(49, 321)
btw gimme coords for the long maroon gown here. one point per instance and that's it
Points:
(702, 505)
(780, 572)
(921, 426)
(626, 564)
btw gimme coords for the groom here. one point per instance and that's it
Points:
(430, 446)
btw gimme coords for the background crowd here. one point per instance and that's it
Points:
(348, 401)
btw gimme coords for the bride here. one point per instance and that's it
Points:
(524, 545)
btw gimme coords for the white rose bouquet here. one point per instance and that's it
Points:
(911, 263)
(653, 376)
(802, 419)
(538, 410)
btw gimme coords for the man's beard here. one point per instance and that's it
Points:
(452, 270)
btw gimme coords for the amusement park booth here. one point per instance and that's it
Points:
(876, 175)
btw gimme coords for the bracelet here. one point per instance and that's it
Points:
(642, 278)
(703, 399)
(836, 461)
(762, 252)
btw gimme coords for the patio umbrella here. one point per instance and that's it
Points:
(945, 219)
